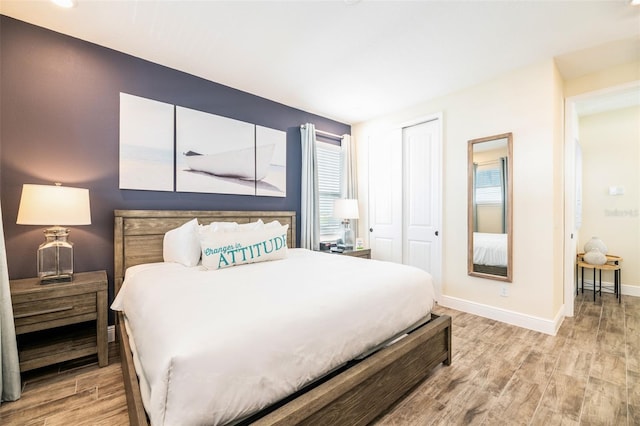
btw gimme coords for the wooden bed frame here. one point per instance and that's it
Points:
(355, 396)
(491, 270)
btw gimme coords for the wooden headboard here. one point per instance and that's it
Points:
(138, 234)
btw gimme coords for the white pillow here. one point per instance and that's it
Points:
(230, 226)
(251, 226)
(223, 249)
(219, 226)
(182, 245)
(272, 224)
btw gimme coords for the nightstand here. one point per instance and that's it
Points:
(61, 321)
(364, 253)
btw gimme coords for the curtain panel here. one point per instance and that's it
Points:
(503, 187)
(10, 379)
(309, 197)
(350, 185)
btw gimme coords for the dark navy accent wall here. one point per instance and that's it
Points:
(59, 122)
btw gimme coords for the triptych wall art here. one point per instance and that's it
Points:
(171, 148)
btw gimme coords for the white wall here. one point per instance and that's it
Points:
(611, 157)
(527, 103)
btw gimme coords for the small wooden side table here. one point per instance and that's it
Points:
(613, 264)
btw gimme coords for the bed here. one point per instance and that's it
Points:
(490, 253)
(355, 392)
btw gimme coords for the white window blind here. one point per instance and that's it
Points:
(329, 187)
(488, 186)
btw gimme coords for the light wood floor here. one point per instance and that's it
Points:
(588, 374)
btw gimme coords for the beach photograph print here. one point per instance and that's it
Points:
(214, 154)
(146, 144)
(271, 162)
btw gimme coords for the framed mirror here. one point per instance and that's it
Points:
(490, 207)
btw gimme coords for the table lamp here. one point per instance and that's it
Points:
(346, 209)
(54, 205)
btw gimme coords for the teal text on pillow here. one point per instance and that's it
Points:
(223, 249)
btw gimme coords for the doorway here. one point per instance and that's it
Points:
(580, 211)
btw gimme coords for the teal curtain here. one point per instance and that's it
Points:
(10, 379)
(309, 196)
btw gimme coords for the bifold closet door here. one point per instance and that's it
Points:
(405, 196)
(421, 196)
(385, 196)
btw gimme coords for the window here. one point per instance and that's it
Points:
(488, 185)
(329, 187)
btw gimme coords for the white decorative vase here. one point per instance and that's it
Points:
(595, 243)
(595, 257)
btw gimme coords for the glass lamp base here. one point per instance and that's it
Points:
(55, 257)
(348, 237)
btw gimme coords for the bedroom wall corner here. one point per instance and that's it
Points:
(523, 102)
(604, 79)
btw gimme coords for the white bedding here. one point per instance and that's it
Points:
(489, 249)
(219, 345)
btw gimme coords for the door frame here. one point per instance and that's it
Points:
(570, 231)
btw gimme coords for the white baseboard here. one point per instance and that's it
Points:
(627, 290)
(510, 317)
(111, 333)
(630, 290)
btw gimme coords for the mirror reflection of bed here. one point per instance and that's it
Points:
(490, 253)
(490, 207)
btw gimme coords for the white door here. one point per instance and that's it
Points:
(421, 203)
(385, 196)
(405, 196)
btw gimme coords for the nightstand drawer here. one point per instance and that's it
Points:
(46, 313)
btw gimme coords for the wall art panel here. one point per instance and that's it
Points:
(271, 162)
(214, 154)
(146, 144)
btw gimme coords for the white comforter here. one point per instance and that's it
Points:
(219, 345)
(489, 249)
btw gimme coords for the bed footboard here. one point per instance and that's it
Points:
(363, 392)
(137, 415)
(355, 397)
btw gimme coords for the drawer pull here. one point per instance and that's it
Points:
(46, 311)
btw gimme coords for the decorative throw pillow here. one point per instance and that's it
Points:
(223, 249)
(182, 244)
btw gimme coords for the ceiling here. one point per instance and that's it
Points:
(351, 60)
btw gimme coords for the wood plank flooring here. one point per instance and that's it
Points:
(589, 374)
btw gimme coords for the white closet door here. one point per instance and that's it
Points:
(405, 200)
(385, 196)
(421, 201)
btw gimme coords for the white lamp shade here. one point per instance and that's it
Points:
(346, 209)
(53, 205)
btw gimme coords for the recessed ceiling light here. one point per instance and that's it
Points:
(635, 2)
(65, 3)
